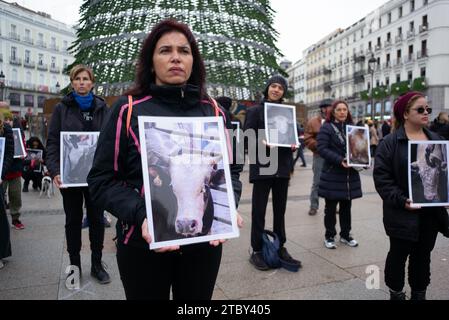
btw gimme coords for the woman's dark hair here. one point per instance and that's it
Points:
(145, 72)
(331, 117)
(30, 141)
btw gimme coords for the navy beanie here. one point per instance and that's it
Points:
(276, 79)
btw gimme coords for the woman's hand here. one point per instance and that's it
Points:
(266, 144)
(147, 237)
(58, 182)
(409, 206)
(294, 147)
(216, 243)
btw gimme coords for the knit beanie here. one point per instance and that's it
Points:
(401, 104)
(276, 79)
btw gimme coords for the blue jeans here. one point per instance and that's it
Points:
(317, 167)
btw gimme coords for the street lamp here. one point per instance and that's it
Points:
(372, 62)
(2, 84)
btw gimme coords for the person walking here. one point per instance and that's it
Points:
(170, 82)
(339, 183)
(300, 152)
(412, 230)
(79, 111)
(277, 183)
(310, 138)
(373, 137)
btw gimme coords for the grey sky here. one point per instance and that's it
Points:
(299, 23)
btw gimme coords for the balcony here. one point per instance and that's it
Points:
(368, 51)
(14, 36)
(377, 47)
(55, 69)
(29, 64)
(41, 44)
(410, 59)
(54, 47)
(29, 86)
(411, 34)
(340, 63)
(14, 84)
(327, 71)
(327, 86)
(15, 61)
(359, 58)
(387, 65)
(423, 28)
(42, 67)
(398, 62)
(398, 39)
(28, 40)
(422, 54)
(387, 44)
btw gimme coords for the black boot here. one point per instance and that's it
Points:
(98, 270)
(25, 187)
(418, 295)
(397, 295)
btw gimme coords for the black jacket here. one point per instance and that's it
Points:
(8, 156)
(255, 120)
(116, 178)
(336, 182)
(391, 181)
(67, 117)
(441, 129)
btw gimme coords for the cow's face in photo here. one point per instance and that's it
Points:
(281, 123)
(190, 176)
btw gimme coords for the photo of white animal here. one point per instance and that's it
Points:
(280, 125)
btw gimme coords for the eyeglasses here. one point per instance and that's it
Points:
(421, 110)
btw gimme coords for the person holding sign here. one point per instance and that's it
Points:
(170, 82)
(339, 183)
(412, 230)
(78, 111)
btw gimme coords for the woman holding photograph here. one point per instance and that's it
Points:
(170, 82)
(339, 183)
(31, 166)
(79, 111)
(8, 157)
(277, 183)
(412, 231)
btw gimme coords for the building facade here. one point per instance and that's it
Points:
(297, 81)
(33, 55)
(405, 42)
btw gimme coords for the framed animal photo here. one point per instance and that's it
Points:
(280, 125)
(19, 147)
(428, 173)
(36, 154)
(358, 153)
(188, 191)
(77, 155)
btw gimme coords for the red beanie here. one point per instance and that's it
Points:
(401, 104)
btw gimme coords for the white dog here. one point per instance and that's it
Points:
(47, 187)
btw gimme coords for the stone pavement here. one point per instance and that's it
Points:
(37, 268)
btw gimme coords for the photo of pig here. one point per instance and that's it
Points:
(187, 181)
(358, 151)
(428, 173)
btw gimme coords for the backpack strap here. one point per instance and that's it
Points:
(130, 111)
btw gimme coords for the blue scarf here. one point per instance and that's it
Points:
(85, 102)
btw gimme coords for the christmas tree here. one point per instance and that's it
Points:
(235, 37)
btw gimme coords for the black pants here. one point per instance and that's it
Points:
(35, 177)
(261, 191)
(330, 219)
(299, 154)
(5, 242)
(190, 272)
(418, 254)
(73, 206)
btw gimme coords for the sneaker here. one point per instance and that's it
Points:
(258, 262)
(284, 255)
(85, 223)
(349, 241)
(17, 225)
(330, 243)
(98, 272)
(303, 166)
(313, 212)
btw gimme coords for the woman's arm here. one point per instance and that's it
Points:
(324, 144)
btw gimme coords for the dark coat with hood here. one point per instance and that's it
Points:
(116, 178)
(336, 182)
(67, 116)
(391, 181)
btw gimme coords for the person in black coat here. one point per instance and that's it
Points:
(441, 125)
(8, 157)
(277, 182)
(79, 111)
(31, 166)
(412, 231)
(339, 183)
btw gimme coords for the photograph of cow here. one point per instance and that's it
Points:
(35, 154)
(428, 173)
(280, 125)
(188, 189)
(2, 153)
(357, 146)
(77, 155)
(19, 147)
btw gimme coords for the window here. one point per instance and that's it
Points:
(425, 22)
(424, 47)
(14, 99)
(41, 79)
(27, 56)
(425, 2)
(380, 23)
(53, 62)
(398, 77)
(40, 59)
(41, 37)
(389, 17)
(387, 81)
(377, 83)
(423, 72)
(41, 101)
(399, 54)
(27, 35)
(410, 50)
(361, 33)
(13, 53)
(14, 75)
(65, 63)
(28, 77)
(400, 31)
(13, 29)
(400, 11)
(369, 46)
(412, 5)
(29, 100)
(410, 76)
(388, 58)
(412, 26)
(64, 44)
(378, 41)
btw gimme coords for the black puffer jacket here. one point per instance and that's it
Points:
(255, 120)
(8, 156)
(336, 182)
(67, 117)
(391, 181)
(116, 178)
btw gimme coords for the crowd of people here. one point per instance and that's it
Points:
(170, 82)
